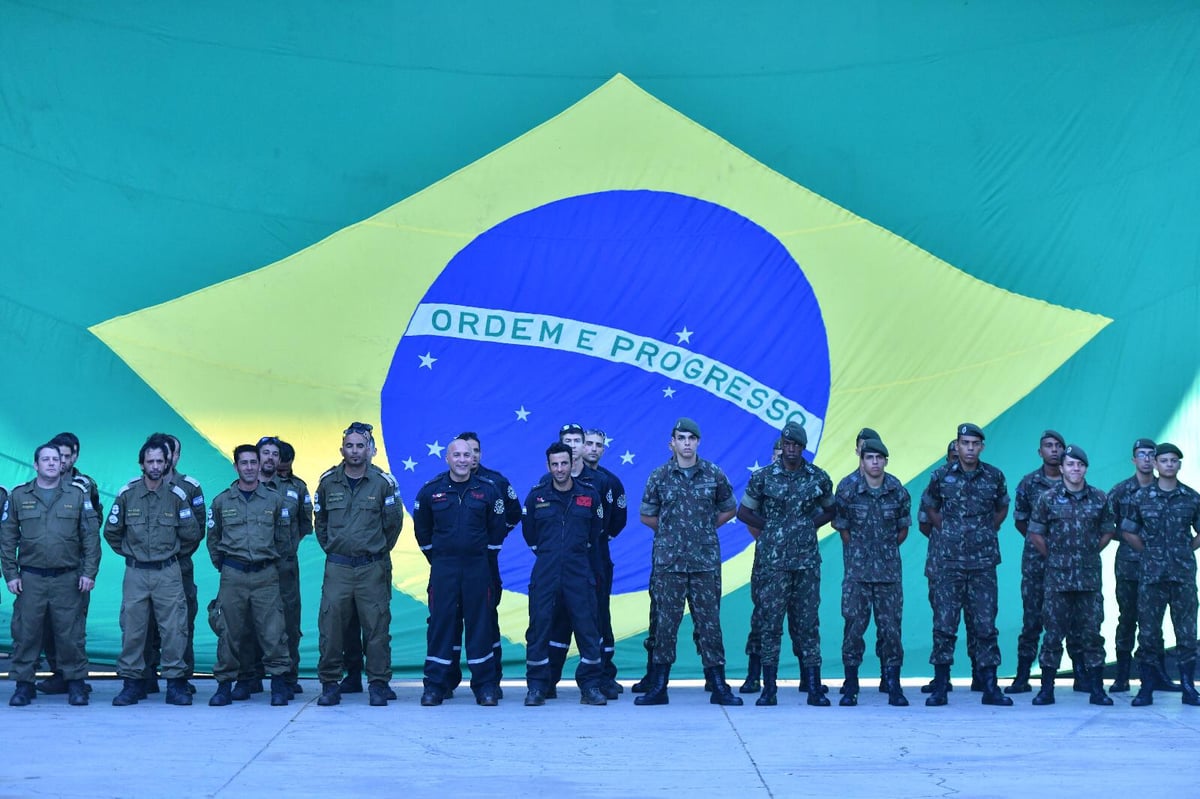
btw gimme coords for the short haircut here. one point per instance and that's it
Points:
(156, 441)
(67, 440)
(470, 435)
(167, 442)
(48, 445)
(242, 449)
(557, 447)
(287, 452)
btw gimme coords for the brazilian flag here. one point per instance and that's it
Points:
(446, 220)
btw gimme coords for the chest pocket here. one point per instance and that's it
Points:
(890, 511)
(545, 514)
(28, 510)
(337, 508)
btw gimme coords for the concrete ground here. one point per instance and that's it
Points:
(688, 747)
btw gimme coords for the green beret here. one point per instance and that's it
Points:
(1057, 436)
(1166, 448)
(874, 445)
(866, 433)
(1144, 443)
(1075, 451)
(686, 425)
(794, 431)
(968, 429)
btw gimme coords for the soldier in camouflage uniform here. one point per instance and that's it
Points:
(685, 502)
(965, 503)
(753, 681)
(873, 514)
(788, 501)
(1069, 525)
(1033, 564)
(1128, 565)
(1162, 519)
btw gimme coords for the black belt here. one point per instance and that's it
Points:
(245, 565)
(356, 561)
(48, 572)
(156, 565)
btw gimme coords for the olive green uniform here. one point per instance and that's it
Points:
(356, 523)
(245, 538)
(148, 527)
(195, 495)
(49, 538)
(296, 499)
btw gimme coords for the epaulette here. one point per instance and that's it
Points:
(328, 472)
(83, 481)
(391, 480)
(187, 478)
(179, 492)
(485, 479)
(129, 485)
(435, 479)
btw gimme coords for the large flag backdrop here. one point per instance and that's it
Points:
(904, 231)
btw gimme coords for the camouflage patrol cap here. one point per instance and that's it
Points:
(1075, 451)
(1167, 449)
(794, 431)
(686, 425)
(1144, 443)
(876, 446)
(866, 433)
(968, 429)
(1057, 436)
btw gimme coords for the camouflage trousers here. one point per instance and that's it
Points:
(796, 592)
(702, 591)
(1033, 594)
(972, 645)
(1127, 614)
(1153, 601)
(859, 601)
(754, 637)
(1075, 616)
(972, 595)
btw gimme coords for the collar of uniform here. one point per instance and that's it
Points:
(673, 464)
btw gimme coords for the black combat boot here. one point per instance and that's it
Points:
(1162, 681)
(241, 691)
(643, 685)
(488, 696)
(656, 690)
(535, 697)
(280, 693)
(352, 683)
(883, 683)
(1187, 682)
(331, 694)
(177, 692)
(770, 690)
(896, 697)
(1046, 695)
(976, 679)
(223, 695)
(708, 681)
(130, 694)
(816, 697)
(754, 669)
(53, 685)
(592, 696)
(1020, 683)
(1148, 675)
(802, 686)
(941, 684)
(77, 696)
(433, 696)
(23, 695)
(1096, 682)
(850, 688)
(1082, 684)
(722, 694)
(927, 688)
(150, 683)
(992, 695)
(1121, 683)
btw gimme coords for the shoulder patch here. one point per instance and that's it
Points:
(179, 492)
(126, 487)
(498, 508)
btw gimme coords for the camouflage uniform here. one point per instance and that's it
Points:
(965, 552)
(1072, 525)
(874, 518)
(788, 501)
(1033, 565)
(1127, 569)
(687, 555)
(1162, 520)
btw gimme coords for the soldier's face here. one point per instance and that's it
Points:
(873, 464)
(247, 467)
(48, 463)
(559, 464)
(355, 449)
(969, 448)
(1051, 451)
(284, 469)
(685, 445)
(1167, 465)
(1143, 461)
(67, 456)
(475, 453)
(593, 448)
(1074, 471)
(154, 464)
(575, 442)
(268, 459)
(459, 459)
(792, 453)
(776, 451)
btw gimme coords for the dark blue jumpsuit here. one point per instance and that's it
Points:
(561, 528)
